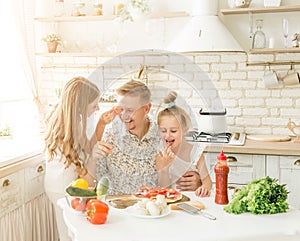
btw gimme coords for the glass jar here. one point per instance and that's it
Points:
(98, 9)
(259, 37)
(59, 8)
(118, 6)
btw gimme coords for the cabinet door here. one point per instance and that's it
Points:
(243, 167)
(34, 176)
(287, 170)
(12, 192)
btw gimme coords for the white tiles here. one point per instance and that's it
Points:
(195, 76)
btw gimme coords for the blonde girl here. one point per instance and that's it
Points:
(179, 156)
(68, 150)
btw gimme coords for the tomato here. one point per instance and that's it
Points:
(96, 211)
(172, 191)
(162, 191)
(151, 195)
(78, 204)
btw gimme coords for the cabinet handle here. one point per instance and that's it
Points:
(40, 169)
(297, 163)
(231, 159)
(6, 183)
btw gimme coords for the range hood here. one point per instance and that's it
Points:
(201, 31)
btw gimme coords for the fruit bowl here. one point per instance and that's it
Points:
(78, 204)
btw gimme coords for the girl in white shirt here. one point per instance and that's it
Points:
(179, 156)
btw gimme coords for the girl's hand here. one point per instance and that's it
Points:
(108, 116)
(202, 192)
(165, 158)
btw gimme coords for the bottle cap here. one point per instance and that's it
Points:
(222, 156)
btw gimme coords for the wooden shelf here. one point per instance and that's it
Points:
(291, 8)
(107, 18)
(274, 50)
(78, 54)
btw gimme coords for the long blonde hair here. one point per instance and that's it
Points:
(66, 123)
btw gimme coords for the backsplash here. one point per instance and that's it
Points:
(202, 79)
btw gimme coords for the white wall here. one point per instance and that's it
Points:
(251, 107)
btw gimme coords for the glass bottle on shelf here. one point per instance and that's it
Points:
(259, 37)
(59, 8)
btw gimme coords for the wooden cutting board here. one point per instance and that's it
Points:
(271, 138)
(126, 200)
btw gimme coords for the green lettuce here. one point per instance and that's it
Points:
(261, 196)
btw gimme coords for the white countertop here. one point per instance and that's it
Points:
(13, 151)
(180, 226)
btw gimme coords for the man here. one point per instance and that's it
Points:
(131, 143)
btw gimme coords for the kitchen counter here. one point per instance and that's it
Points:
(180, 226)
(14, 154)
(260, 147)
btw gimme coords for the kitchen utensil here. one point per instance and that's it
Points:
(237, 139)
(292, 77)
(259, 37)
(292, 126)
(212, 122)
(285, 31)
(270, 79)
(193, 210)
(271, 138)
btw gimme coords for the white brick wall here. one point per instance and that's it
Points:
(250, 106)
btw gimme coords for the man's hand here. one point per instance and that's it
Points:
(101, 149)
(190, 181)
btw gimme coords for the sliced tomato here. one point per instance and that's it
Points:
(172, 191)
(151, 195)
(162, 191)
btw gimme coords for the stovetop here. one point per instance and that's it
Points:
(226, 137)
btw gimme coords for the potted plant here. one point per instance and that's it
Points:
(5, 132)
(52, 41)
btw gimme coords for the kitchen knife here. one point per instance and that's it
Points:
(194, 210)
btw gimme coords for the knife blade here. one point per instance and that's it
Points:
(194, 210)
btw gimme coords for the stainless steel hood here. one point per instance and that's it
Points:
(201, 31)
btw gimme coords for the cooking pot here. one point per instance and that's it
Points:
(212, 122)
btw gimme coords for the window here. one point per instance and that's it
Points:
(17, 109)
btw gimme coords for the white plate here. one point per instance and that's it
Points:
(131, 211)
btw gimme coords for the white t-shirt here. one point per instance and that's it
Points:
(58, 177)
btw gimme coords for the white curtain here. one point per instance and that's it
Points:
(23, 12)
(33, 221)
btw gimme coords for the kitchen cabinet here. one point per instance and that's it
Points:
(243, 167)
(34, 180)
(250, 11)
(12, 192)
(287, 170)
(25, 212)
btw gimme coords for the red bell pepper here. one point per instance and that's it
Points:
(96, 211)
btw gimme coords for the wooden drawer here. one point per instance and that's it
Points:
(243, 168)
(34, 176)
(12, 192)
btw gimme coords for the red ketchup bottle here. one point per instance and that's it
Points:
(221, 170)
